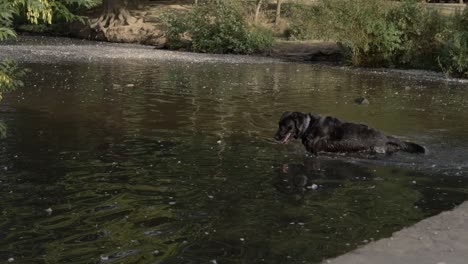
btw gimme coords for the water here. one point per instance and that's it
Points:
(131, 161)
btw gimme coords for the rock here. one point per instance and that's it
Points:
(152, 19)
(361, 101)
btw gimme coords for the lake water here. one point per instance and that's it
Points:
(136, 161)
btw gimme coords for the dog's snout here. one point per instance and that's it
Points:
(277, 136)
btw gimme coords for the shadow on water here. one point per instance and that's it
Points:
(174, 163)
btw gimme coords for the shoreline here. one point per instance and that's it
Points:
(440, 239)
(50, 49)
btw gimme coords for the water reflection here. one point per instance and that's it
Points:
(316, 174)
(174, 163)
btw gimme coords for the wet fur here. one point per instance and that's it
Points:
(329, 134)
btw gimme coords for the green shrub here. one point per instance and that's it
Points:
(453, 57)
(362, 29)
(404, 34)
(10, 76)
(216, 27)
(260, 39)
(419, 30)
(176, 25)
(301, 21)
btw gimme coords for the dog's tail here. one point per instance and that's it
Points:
(413, 148)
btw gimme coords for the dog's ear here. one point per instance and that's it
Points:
(298, 120)
(285, 114)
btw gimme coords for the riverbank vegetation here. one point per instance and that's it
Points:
(380, 33)
(216, 27)
(370, 33)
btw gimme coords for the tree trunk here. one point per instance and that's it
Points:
(278, 12)
(117, 24)
(257, 10)
(114, 13)
(195, 2)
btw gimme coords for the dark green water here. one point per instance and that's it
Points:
(175, 163)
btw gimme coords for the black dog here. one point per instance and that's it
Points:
(329, 134)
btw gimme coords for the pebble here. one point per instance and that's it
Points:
(361, 101)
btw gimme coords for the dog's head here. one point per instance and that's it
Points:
(290, 124)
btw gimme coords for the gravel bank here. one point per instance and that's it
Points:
(54, 49)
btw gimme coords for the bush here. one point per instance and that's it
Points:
(176, 25)
(260, 39)
(10, 76)
(216, 27)
(384, 33)
(362, 29)
(301, 21)
(454, 49)
(419, 30)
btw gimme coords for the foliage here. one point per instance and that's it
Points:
(34, 12)
(260, 39)
(61, 9)
(3, 130)
(176, 25)
(454, 51)
(216, 27)
(6, 17)
(384, 33)
(419, 30)
(10, 75)
(38, 11)
(300, 21)
(361, 26)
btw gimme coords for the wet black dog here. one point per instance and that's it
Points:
(329, 134)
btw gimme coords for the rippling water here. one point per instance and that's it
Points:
(170, 162)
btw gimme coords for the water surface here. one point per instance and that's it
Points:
(133, 161)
